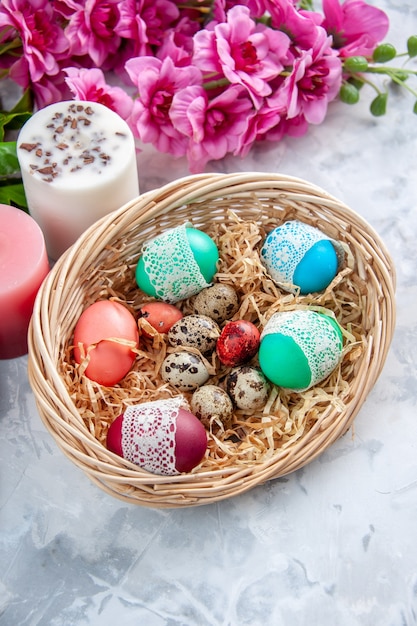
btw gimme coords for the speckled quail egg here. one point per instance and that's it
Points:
(211, 402)
(248, 387)
(238, 343)
(184, 370)
(220, 302)
(195, 331)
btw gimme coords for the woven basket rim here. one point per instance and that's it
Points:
(122, 479)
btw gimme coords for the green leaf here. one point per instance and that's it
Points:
(307, 5)
(379, 105)
(349, 93)
(14, 119)
(13, 194)
(356, 64)
(384, 52)
(25, 104)
(412, 46)
(415, 108)
(10, 45)
(9, 164)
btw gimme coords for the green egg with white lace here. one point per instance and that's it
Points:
(300, 349)
(177, 264)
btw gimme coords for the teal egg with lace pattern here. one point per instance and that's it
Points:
(300, 348)
(177, 264)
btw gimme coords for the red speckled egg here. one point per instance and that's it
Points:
(238, 343)
(109, 361)
(161, 437)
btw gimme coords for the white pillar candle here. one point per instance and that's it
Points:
(78, 163)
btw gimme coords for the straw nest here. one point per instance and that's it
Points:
(237, 210)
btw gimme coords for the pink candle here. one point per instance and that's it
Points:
(23, 266)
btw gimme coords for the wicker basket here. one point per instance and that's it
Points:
(76, 280)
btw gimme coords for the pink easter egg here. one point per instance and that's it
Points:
(161, 437)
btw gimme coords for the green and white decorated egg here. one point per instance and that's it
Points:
(177, 264)
(300, 348)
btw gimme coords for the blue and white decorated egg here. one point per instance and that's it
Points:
(300, 258)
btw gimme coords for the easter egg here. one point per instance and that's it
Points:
(177, 264)
(299, 257)
(161, 437)
(238, 342)
(211, 402)
(220, 302)
(160, 315)
(195, 331)
(248, 387)
(108, 332)
(184, 370)
(300, 348)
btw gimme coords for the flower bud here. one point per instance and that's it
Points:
(356, 64)
(384, 52)
(379, 105)
(412, 46)
(349, 93)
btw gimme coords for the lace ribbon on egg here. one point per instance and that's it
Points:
(314, 334)
(286, 246)
(171, 267)
(148, 435)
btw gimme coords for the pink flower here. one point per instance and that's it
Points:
(46, 90)
(244, 52)
(356, 27)
(315, 80)
(157, 82)
(178, 42)
(90, 84)
(221, 7)
(301, 26)
(213, 126)
(144, 23)
(294, 127)
(91, 27)
(42, 38)
(259, 125)
(50, 89)
(212, 76)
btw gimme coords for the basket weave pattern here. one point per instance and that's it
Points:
(77, 281)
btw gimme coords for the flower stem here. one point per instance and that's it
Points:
(10, 46)
(216, 84)
(390, 71)
(366, 81)
(398, 76)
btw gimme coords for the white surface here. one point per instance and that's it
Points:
(333, 544)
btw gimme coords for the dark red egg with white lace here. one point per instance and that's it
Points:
(161, 437)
